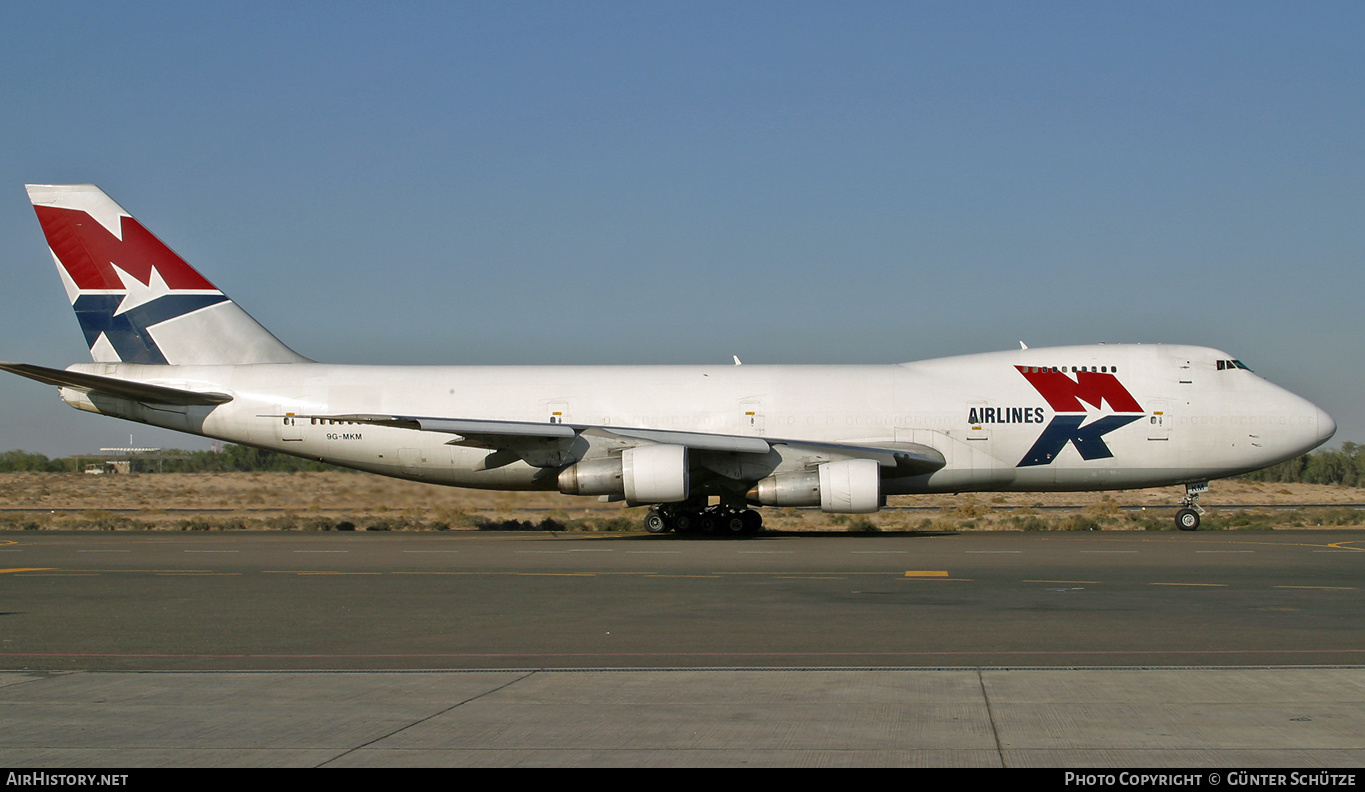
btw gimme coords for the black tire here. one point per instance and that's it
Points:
(1187, 520)
(684, 522)
(734, 524)
(753, 521)
(656, 523)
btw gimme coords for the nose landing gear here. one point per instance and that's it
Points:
(1187, 518)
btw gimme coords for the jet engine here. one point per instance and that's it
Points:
(644, 474)
(849, 486)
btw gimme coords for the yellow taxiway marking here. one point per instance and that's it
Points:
(927, 573)
(27, 569)
(307, 572)
(1206, 585)
(1089, 582)
(1321, 588)
(824, 572)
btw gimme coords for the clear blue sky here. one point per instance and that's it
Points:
(642, 182)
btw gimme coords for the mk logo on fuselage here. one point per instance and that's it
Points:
(1069, 398)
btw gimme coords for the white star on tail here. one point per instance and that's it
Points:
(141, 294)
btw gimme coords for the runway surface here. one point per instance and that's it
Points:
(1005, 649)
(144, 601)
(1054, 718)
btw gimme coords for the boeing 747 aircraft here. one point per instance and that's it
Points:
(701, 445)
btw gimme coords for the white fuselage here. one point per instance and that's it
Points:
(993, 425)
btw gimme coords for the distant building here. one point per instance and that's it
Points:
(128, 460)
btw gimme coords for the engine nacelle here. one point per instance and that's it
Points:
(655, 473)
(592, 477)
(850, 486)
(788, 489)
(644, 474)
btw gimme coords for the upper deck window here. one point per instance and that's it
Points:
(1091, 369)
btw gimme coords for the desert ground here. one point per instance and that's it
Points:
(360, 501)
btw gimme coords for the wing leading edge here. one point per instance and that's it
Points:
(556, 444)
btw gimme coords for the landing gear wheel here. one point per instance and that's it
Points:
(655, 522)
(1187, 520)
(714, 520)
(734, 524)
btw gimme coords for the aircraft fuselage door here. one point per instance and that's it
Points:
(751, 417)
(977, 428)
(1159, 421)
(287, 427)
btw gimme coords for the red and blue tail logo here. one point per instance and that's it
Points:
(137, 301)
(1068, 398)
(123, 282)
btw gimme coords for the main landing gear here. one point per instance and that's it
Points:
(713, 520)
(1187, 519)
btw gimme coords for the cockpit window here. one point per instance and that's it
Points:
(1228, 365)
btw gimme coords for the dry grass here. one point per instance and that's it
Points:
(357, 501)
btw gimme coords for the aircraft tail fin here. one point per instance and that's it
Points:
(136, 300)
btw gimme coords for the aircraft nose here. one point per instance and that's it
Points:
(1326, 426)
(1297, 425)
(1312, 426)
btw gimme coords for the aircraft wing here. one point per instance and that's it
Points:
(112, 386)
(528, 440)
(464, 427)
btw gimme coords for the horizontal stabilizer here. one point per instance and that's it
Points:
(126, 389)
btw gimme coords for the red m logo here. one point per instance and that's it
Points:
(1065, 395)
(87, 250)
